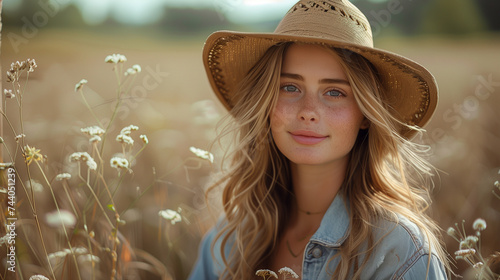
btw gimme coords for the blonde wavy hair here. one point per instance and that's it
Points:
(380, 182)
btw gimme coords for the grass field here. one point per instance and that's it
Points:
(175, 108)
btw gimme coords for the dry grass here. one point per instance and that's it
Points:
(465, 142)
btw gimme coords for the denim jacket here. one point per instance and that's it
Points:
(402, 252)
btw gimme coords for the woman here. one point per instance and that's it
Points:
(323, 177)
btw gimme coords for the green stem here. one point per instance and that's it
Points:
(59, 212)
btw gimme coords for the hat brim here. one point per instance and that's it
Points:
(411, 90)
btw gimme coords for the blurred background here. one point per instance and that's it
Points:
(458, 41)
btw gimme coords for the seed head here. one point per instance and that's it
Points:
(266, 273)
(93, 130)
(128, 129)
(63, 176)
(464, 253)
(133, 70)
(8, 93)
(115, 58)
(144, 139)
(80, 84)
(119, 163)
(451, 231)
(32, 154)
(38, 277)
(61, 218)
(31, 64)
(171, 215)
(288, 271)
(479, 224)
(125, 139)
(202, 154)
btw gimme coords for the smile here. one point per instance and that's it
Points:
(307, 137)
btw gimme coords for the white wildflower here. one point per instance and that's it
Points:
(63, 176)
(464, 253)
(202, 154)
(125, 139)
(95, 139)
(60, 218)
(84, 156)
(57, 257)
(79, 156)
(288, 271)
(451, 231)
(470, 241)
(88, 258)
(18, 137)
(128, 129)
(80, 84)
(91, 164)
(93, 130)
(171, 215)
(119, 163)
(144, 139)
(478, 265)
(32, 64)
(479, 224)
(34, 185)
(266, 273)
(137, 68)
(8, 93)
(497, 184)
(133, 70)
(115, 58)
(38, 277)
(5, 165)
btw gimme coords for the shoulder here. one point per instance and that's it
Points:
(401, 251)
(210, 264)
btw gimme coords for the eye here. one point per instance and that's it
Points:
(290, 88)
(334, 93)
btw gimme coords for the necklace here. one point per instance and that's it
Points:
(290, 247)
(290, 250)
(310, 213)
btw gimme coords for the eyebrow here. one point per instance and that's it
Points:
(322, 81)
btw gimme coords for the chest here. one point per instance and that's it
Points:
(313, 261)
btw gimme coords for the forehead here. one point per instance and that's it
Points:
(315, 60)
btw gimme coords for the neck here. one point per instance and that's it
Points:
(315, 187)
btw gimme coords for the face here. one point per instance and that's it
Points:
(316, 119)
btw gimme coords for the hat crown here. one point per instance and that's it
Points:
(337, 20)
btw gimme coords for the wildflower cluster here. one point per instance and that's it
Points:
(18, 67)
(124, 136)
(32, 154)
(202, 154)
(119, 163)
(115, 58)
(133, 70)
(285, 271)
(80, 84)
(85, 212)
(84, 157)
(470, 248)
(171, 215)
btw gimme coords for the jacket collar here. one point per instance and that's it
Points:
(334, 227)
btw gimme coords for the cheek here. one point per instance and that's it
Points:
(278, 116)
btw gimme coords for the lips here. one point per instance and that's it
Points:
(307, 137)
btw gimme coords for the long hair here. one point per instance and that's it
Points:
(257, 183)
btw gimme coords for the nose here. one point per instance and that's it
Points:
(308, 109)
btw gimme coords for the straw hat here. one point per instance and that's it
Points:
(411, 90)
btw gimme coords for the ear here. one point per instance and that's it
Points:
(365, 123)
